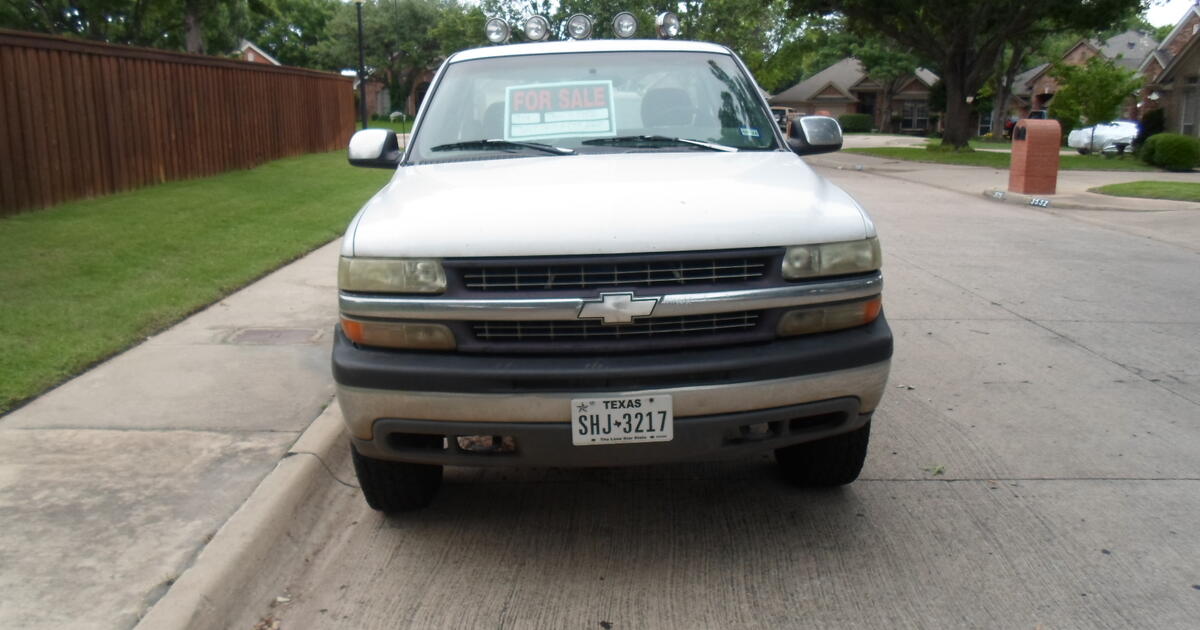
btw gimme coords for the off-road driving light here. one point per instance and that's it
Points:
(391, 275)
(497, 31)
(807, 321)
(667, 24)
(579, 26)
(625, 25)
(831, 259)
(411, 335)
(536, 28)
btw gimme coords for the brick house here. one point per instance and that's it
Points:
(1035, 88)
(1173, 77)
(379, 99)
(844, 88)
(247, 51)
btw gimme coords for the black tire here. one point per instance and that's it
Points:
(1084, 151)
(396, 486)
(826, 463)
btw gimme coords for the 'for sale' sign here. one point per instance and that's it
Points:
(559, 110)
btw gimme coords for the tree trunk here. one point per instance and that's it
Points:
(1004, 88)
(957, 120)
(885, 103)
(194, 31)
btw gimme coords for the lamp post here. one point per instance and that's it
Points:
(362, 71)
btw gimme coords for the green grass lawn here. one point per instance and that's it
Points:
(1180, 191)
(87, 279)
(994, 159)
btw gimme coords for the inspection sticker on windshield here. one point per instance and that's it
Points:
(622, 420)
(559, 110)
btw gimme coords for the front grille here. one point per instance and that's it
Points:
(597, 273)
(642, 328)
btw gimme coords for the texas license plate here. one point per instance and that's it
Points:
(621, 420)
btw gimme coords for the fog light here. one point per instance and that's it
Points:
(667, 24)
(826, 318)
(497, 31)
(536, 28)
(390, 334)
(579, 26)
(624, 25)
(487, 443)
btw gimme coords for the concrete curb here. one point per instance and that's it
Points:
(214, 586)
(1004, 196)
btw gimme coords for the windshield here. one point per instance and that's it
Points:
(603, 102)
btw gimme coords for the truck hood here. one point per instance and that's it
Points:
(604, 204)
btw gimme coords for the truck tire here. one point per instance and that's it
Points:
(396, 486)
(826, 463)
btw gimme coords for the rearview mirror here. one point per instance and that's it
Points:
(814, 134)
(374, 148)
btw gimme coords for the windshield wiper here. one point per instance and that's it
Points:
(619, 140)
(493, 144)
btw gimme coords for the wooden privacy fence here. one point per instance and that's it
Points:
(80, 119)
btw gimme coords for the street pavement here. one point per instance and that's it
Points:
(1033, 463)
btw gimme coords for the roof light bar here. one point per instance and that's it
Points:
(497, 31)
(537, 28)
(579, 26)
(667, 24)
(624, 25)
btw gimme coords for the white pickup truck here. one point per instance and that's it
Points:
(604, 253)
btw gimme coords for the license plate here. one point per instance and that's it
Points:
(621, 420)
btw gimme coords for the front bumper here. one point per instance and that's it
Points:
(716, 392)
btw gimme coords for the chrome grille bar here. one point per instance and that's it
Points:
(561, 309)
(597, 274)
(640, 328)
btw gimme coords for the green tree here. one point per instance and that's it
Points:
(292, 30)
(402, 39)
(1091, 93)
(193, 25)
(962, 40)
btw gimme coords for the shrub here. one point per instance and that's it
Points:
(1146, 151)
(1172, 151)
(855, 122)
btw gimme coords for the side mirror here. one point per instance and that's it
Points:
(375, 148)
(814, 134)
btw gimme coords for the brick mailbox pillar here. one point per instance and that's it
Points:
(1035, 145)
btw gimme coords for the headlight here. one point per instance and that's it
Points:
(390, 334)
(391, 275)
(817, 319)
(832, 259)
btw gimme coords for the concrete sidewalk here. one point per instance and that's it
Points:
(112, 483)
(975, 180)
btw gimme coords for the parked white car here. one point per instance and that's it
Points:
(1106, 138)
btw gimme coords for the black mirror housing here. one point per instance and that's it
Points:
(375, 148)
(810, 135)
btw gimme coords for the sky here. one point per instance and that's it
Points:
(1167, 13)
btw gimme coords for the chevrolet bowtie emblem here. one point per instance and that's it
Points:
(617, 308)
